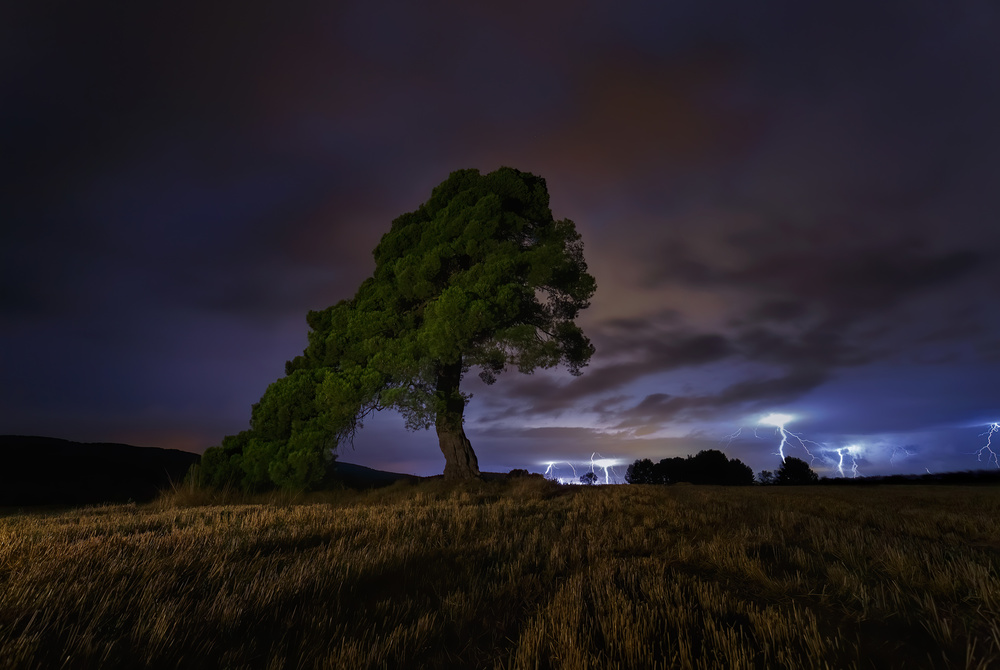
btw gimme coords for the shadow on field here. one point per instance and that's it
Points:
(512, 574)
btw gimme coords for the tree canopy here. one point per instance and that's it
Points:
(480, 276)
(795, 472)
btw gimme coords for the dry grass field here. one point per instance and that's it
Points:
(522, 574)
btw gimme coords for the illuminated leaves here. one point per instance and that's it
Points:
(480, 276)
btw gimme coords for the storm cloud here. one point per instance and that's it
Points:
(785, 206)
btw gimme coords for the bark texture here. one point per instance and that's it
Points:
(460, 460)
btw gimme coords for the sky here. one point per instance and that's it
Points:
(789, 208)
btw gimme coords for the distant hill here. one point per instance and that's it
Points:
(50, 471)
(362, 477)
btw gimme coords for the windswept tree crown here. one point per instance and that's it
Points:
(480, 276)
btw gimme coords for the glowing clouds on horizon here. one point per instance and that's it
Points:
(858, 451)
(596, 462)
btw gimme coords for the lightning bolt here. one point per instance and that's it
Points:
(551, 471)
(896, 450)
(843, 451)
(987, 449)
(779, 421)
(606, 464)
(597, 463)
(730, 438)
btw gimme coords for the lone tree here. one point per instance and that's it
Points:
(795, 472)
(480, 276)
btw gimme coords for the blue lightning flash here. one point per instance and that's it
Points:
(896, 451)
(730, 438)
(550, 471)
(606, 464)
(987, 449)
(779, 421)
(852, 452)
(596, 463)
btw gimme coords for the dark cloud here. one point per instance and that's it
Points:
(822, 265)
(775, 198)
(756, 394)
(839, 293)
(649, 353)
(806, 329)
(779, 310)
(820, 346)
(824, 295)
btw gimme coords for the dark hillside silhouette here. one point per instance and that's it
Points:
(50, 471)
(362, 477)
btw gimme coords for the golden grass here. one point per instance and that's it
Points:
(511, 575)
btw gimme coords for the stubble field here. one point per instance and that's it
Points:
(521, 574)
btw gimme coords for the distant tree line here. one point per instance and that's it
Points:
(709, 466)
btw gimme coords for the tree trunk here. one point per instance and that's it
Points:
(459, 459)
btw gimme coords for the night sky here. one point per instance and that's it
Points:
(787, 209)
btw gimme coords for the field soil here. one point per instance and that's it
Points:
(520, 574)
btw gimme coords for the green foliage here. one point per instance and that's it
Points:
(480, 276)
(222, 466)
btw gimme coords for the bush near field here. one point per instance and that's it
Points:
(516, 574)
